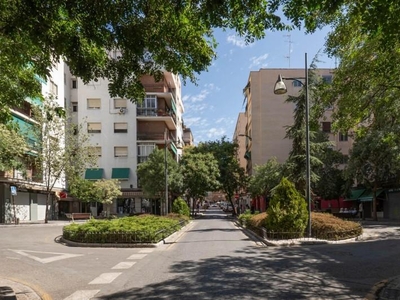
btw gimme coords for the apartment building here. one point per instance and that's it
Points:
(267, 116)
(24, 191)
(125, 133)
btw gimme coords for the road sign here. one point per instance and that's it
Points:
(13, 190)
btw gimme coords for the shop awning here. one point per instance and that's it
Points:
(120, 173)
(355, 195)
(367, 196)
(94, 174)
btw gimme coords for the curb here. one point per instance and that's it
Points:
(13, 290)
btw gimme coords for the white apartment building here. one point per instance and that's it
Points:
(125, 133)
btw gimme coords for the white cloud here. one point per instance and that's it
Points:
(195, 121)
(237, 41)
(215, 133)
(259, 61)
(196, 98)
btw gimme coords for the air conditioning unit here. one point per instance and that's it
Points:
(122, 111)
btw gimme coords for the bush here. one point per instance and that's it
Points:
(328, 227)
(287, 211)
(136, 229)
(180, 207)
(244, 217)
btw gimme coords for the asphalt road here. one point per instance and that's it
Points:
(213, 259)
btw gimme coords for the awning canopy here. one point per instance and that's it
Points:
(368, 195)
(355, 194)
(120, 173)
(94, 174)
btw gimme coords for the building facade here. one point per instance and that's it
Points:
(125, 133)
(23, 192)
(268, 115)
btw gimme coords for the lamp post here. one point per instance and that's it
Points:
(280, 89)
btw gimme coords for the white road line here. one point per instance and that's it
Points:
(56, 256)
(124, 265)
(105, 278)
(82, 295)
(137, 256)
(146, 250)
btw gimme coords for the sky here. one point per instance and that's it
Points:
(212, 106)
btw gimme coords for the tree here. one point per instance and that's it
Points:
(83, 189)
(232, 176)
(200, 174)
(295, 166)
(374, 160)
(118, 40)
(106, 191)
(180, 207)
(266, 177)
(13, 148)
(64, 151)
(151, 174)
(332, 182)
(287, 211)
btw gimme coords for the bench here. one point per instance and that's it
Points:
(78, 216)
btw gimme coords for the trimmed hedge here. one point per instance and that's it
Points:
(323, 226)
(136, 229)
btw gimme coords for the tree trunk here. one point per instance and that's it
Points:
(374, 213)
(46, 219)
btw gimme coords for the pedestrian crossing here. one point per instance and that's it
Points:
(109, 277)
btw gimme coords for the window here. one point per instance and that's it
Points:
(119, 103)
(297, 83)
(121, 151)
(144, 150)
(120, 127)
(74, 106)
(74, 84)
(327, 79)
(53, 88)
(149, 101)
(94, 127)
(343, 137)
(93, 103)
(326, 127)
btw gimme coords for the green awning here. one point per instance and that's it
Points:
(120, 173)
(94, 174)
(368, 195)
(355, 194)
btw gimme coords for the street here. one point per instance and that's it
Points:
(212, 259)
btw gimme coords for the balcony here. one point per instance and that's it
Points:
(152, 114)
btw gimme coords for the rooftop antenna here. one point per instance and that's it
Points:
(289, 41)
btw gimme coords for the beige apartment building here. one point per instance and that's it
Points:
(267, 115)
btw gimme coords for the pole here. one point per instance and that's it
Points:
(308, 175)
(165, 206)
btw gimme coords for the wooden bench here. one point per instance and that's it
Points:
(78, 216)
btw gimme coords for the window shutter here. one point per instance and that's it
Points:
(93, 103)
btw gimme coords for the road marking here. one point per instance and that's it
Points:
(82, 295)
(58, 256)
(124, 265)
(105, 278)
(137, 256)
(146, 250)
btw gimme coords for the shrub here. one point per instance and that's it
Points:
(180, 207)
(136, 229)
(244, 217)
(287, 211)
(328, 227)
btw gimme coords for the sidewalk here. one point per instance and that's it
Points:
(12, 290)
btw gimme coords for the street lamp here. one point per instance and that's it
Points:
(280, 89)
